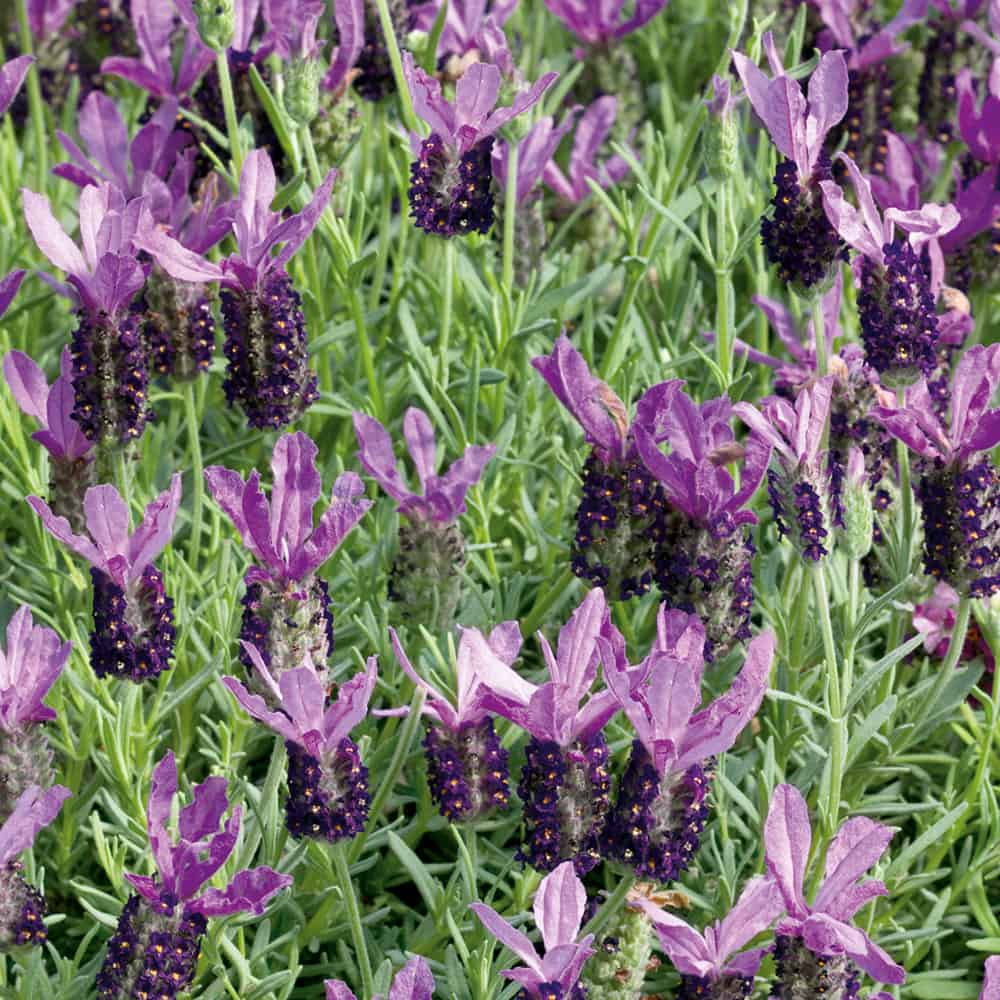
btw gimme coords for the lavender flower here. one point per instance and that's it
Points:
(286, 609)
(451, 179)
(707, 961)
(559, 908)
(959, 487)
(327, 783)
(22, 908)
(9, 285)
(266, 344)
(12, 75)
(158, 938)
(414, 981)
(32, 662)
(425, 581)
(71, 455)
(466, 23)
(661, 809)
(818, 950)
(895, 300)
(798, 238)
(292, 28)
(602, 24)
(991, 979)
(565, 782)
(467, 768)
(110, 357)
(133, 633)
(800, 493)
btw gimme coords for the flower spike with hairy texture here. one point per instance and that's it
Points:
(134, 632)
(22, 908)
(286, 609)
(707, 961)
(451, 179)
(467, 768)
(662, 807)
(30, 665)
(425, 580)
(327, 783)
(12, 75)
(818, 948)
(559, 907)
(565, 783)
(159, 932)
(414, 981)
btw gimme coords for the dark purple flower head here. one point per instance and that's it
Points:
(34, 811)
(280, 533)
(108, 545)
(51, 406)
(414, 981)
(603, 23)
(12, 75)
(443, 497)
(481, 660)
(199, 851)
(824, 926)
(712, 954)
(534, 153)
(106, 274)
(592, 131)
(559, 907)
(662, 694)
(30, 665)
(9, 286)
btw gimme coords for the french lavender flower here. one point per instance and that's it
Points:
(154, 950)
(286, 608)
(604, 24)
(798, 237)
(800, 490)
(9, 286)
(708, 962)
(425, 582)
(818, 951)
(661, 808)
(22, 908)
(466, 26)
(109, 353)
(266, 341)
(899, 326)
(991, 979)
(451, 180)
(565, 783)
(327, 783)
(71, 455)
(467, 768)
(292, 27)
(559, 907)
(30, 665)
(133, 634)
(958, 486)
(12, 74)
(414, 981)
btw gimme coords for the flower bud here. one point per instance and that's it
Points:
(856, 503)
(302, 79)
(216, 22)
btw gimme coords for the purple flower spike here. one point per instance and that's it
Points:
(159, 933)
(817, 945)
(451, 179)
(133, 633)
(286, 610)
(601, 24)
(798, 238)
(425, 580)
(414, 981)
(327, 783)
(467, 768)
(71, 455)
(32, 662)
(662, 806)
(592, 131)
(12, 75)
(707, 961)
(110, 361)
(22, 916)
(959, 486)
(565, 783)
(559, 908)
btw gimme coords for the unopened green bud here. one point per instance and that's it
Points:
(721, 135)
(856, 501)
(302, 78)
(618, 969)
(216, 22)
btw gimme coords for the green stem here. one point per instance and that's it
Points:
(229, 108)
(35, 104)
(838, 722)
(510, 216)
(389, 31)
(194, 443)
(956, 643)
(446, 311)
(819, 337)
(543, 603)
(853, 606)
(609, 907)
(367, 358)
(354, 917)
(123, 475)
(312, 161)
(723, 287)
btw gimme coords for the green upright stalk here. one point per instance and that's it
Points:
(723, 286)
(819, 337)
(35, 104)
(405, 103)
(446, 310)
(354, 918)
(194, 443)
(955, 645)
(838, 722)
(229, 108)
(510, 217)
